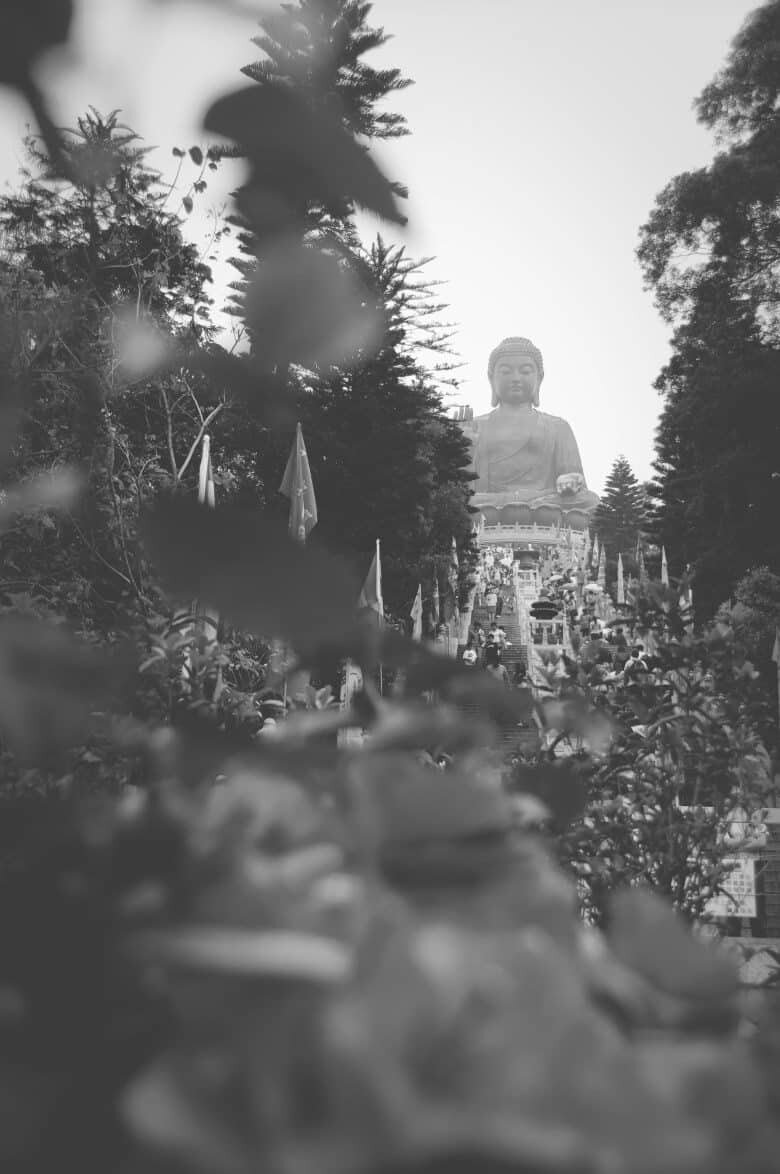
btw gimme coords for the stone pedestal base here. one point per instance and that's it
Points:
(523, 515)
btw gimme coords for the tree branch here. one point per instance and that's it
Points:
(169, 432)
(193, 448)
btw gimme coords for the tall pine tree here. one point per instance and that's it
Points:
(621, 516)
(710, 250)
(386, 460)
(318, 47)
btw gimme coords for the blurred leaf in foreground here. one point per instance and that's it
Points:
(559, 786)
(306, 307)
(299, 152)
(647, 935)
(49, 684)
(249, 569)
(49, 491)
(30, 27)
(408, 803)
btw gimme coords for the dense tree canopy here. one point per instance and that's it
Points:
(95, 273)
(710, 251)
(387, 462)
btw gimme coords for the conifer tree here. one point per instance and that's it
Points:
(317, 47)
(710, 252)
(386, 459)
(621, 515)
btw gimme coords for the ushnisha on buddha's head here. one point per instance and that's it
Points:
(515, 371)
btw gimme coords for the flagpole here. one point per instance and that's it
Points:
(382, 603)
(298, 485)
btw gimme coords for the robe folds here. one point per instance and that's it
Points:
(519, 455)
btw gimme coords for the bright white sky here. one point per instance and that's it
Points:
(541, 133)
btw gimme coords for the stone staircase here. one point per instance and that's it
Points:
(523, 737)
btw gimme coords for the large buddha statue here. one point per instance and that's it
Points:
(522, 455)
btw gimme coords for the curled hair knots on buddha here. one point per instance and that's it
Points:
(516, 347)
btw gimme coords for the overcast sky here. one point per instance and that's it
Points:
(541, 132)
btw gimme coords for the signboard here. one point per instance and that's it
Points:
(739, 896)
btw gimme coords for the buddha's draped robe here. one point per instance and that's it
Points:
(518, 455)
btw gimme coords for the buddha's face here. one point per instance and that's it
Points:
(516, 380)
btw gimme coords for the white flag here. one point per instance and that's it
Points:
(417, 614)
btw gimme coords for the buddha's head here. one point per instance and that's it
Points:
(515, 371)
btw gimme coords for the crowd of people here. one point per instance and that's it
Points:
(495, 584)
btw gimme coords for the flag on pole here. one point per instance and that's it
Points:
(595, 554)
(297, 484)
(371, 593)
(664, 568)
(435, 610)
(417, 614)
(198, 612)
(206, 496)
(642, 568)
(601, 578)
(204, 475)
(621, 586)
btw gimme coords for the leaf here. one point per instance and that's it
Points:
(246, 953)
(57, 490)
(248, 568)
(648, 936)
(164, 1113)
(177, 151)
(308, 153)
(196, 155)
(558, 785)
(412, 804)
(49, 684)
(29, 28)
(574, 716)
(479, 690)
(143, 348)
(306, 308)
(412, 726)
(187, 203)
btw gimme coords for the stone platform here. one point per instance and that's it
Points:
(540, 517)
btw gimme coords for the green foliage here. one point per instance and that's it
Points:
(691, 735)
(387, 461)
(709, 251)
(754, 614)
(282, 953)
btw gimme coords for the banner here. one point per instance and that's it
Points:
(370, 598)
(297, 484)
(417, 614)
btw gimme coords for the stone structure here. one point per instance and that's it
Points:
(528, 466)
